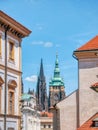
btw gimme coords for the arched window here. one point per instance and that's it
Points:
(0, 46)
(11, 99)
(1, 83)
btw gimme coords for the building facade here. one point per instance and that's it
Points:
(41, 92)
(79, 110)
(11, 34)
(56, 86)
(46, 120)
(30, 115)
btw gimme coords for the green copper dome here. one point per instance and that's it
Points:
(26, 97)
(56, 80)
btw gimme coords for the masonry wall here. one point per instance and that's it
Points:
(88, 98)
(68, 112)
(13, 73)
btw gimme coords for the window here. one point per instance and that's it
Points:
(44, 126)
(10, 128)
(96, 123)
(1, 83)
(11, 102)
(49, 126)
(0, 46)
(11, 50)
(0, 99)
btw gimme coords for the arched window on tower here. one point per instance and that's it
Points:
(11, 98)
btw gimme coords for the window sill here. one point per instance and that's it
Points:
(11, 60)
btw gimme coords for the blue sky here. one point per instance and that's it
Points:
(57, 26)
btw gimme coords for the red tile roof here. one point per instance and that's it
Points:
(88, 124)
(90, 45)
(46, 114)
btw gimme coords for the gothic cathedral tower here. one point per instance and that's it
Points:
(56, 86)
(41, 93)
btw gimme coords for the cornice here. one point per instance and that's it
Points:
(11, 70)
(15, 28)
(11, 116)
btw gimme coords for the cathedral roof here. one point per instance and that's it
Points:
(90, 45)
(56, 80)
(90, 124)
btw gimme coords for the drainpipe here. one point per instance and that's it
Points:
(5, 92)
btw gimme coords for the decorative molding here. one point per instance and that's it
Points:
(11, 70)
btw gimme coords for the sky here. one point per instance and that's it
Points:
(58, 26)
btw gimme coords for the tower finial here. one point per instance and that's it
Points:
(56, 54)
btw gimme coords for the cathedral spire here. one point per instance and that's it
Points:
(41, 92)
(41, 74)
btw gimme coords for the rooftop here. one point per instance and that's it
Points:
(90, 45)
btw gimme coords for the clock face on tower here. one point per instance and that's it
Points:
(56, 97)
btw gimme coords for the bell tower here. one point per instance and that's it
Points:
(56, 86)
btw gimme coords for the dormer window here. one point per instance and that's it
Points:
(95, 122)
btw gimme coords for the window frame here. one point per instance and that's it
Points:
(11, 50)
(96, 123)
(0, 45)
(0, 99)
(10, 128)
(1, 83)
(11, 110)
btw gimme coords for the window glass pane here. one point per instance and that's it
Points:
(96, 124)
(11, 102)
(0, 100)
(11, 50)
(10, 128)
(0, 45)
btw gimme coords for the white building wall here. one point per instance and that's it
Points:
(15, 64)
(88, 98)
(68, 113)
(10, 76)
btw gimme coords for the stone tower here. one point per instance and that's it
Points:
(56, 86)
(41, 92)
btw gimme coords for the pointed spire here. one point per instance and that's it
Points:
(29, 91)
(56, 62)
(56, 70)
(41, 69)
(56, 80)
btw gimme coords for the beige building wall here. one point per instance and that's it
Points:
(46, 123)
(68, 112)
(88, 98)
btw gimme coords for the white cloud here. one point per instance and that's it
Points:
(32, 78)
(37, 43)
(39, 26)
(48, 44)
(42, 43)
